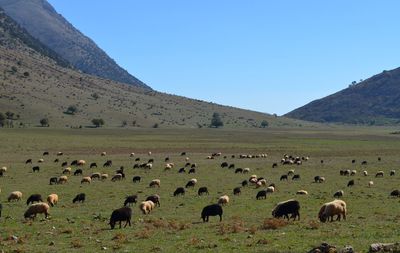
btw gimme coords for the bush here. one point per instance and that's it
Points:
(44, 122)
(72, 109)
(98, 122)
(264, 124)
(216, 120)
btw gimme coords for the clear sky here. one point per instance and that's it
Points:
(264, 55)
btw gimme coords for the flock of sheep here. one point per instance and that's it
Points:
(286, 209)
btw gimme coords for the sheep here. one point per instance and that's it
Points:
(202, 190)
(28, 161)
(261, 194)
(79, 198)
(338, 194)
(136, 179)
(330, 209)
(41, 160)
(117, 177)
(103, 154)
(120, 215)
(223, 200)
(52, 199)
(379, 174)
(179, 191)
(149, 153)
(270, 189)
(146, 206)
(53, 180)
(392, 172)
(95, 175)
(191, 183)
(86, 180)
(74, 163)
(353, 173)
(81, 163)
(132, 155)
(244, 183)
(302, 192)
(62, 180)
(78, 172)
(370, 183)
(237, 191)
(155, 182)
(274, 165)
(211, 210)
(45, 153)
(148, 166)
(287, 207)
(261, 182)
(231, 166)
(34, 198)
(15, 196)
(104, 176)
(182, 170)
(130, 199)
(67, 170)
(365, 173)
(395, 193)
(364, 163)
(56, 160)
(36, 208)
(319, 179)
(296, 177)
(3, 169)
(64, 164)
(155, 198)
(60, 153)
(350, 183)
(238, 170)
(192, 171)
(224, 165)
(35, 168)
(168, 166)
(93, 165)
(246, 170)
(283, 177)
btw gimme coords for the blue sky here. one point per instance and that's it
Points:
(268, 56)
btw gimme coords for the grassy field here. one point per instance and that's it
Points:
(176, 225)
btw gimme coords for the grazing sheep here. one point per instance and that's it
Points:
(137, 159)
(53, 180)
(45, 153)
(192, 171)
(211, 210)
(56, 160)
(395, 193)
(238, 170)
(296, 177)
(3, 169)
(168, 166)
(28, 161)
(379, 174)
(64, 164)
(60, 153)
(179, 191)
(202, 190)
(223, 200)
(270, 189)
(96, 175)
(155, 182)
(149, 153)
(261, 182)
(290, 172)
(15, 196)
(62, 180)
(41, 160)
(104, 176)
(338, 194)
(302, 192)
(36, 208)
(79, 198)
(93, 165)
(52, 199)
(120, 215)
(319, 179)
(130, 199)
(132, 155)
(117, 177)
(237, 191)
(182, 170)
(34, 198)
(261, 194)
(67, 170)
(155, 198)
(365, 173)
(231, 166)
(246, 170)
(36, 168)
(350, 183)
(74, 163)
(86, 180)
(224, 165)
(364, 163)
(81, 163)
(283, 177)
(146, 206)
(108, 163)
(287, 207)
(353, 173)
(192, 182)
(330, 209)
(78, 172)
(274, 165)
(136, 179)
(370, 183)
(353, 161)
(392, 172)
(244, 183)
(103, 154)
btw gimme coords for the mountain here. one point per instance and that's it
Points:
(40, 19)
(373, 101)
(33, 86)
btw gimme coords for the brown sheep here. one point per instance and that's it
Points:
(223, 200)
(330, 209)
(52, 199)
(15, 196)
(62, 180)
(67, 170)
(155, 182)
(146, 206)
(81, 163)
(104, 176)
(86, 180)
(36, 208)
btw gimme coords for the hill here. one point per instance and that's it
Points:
(34, 86)
(373, 101)
(40, 19)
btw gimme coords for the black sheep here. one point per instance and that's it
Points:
(224, 165)
(79, 198)
(179, 191)
(296, 177)
(193, 170)
(261, 194)
(155, 198)
(34, 198)
(136, 179)
(395, 193)
(274, 165)
(244, 183)
(78, 172)
(202, 190)
(237, 191)
(130, 199)
(53, 180)
(190, 184)
(119, 215)
(64, 164)
(56, 160)
(74, 163)
(182, 170)
(45, 153)
(239, 170)
(35, 168)
(231, 166)
(93, 165)
(28, 161)
(183, 153)
(211, 210)
(287, 207)
(350, 183)
(283, 177)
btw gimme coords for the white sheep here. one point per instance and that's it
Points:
(223, 200)
(15, 196)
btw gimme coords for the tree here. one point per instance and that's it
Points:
(10, 115)
(216, 120)
(44, 122)
(124, 123)
(264, 124)
(72, 109)
(98, 122)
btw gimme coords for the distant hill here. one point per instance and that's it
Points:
(373, 101)
(34, 86)
(40, 19)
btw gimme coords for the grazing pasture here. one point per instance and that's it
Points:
(176, 226)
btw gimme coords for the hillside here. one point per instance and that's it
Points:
(373, 101)
(34, 86)
(40, 19)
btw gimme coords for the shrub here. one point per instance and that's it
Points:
(98, 122)
(216, 120)
(44, 122)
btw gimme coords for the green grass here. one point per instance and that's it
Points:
(176, 225)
